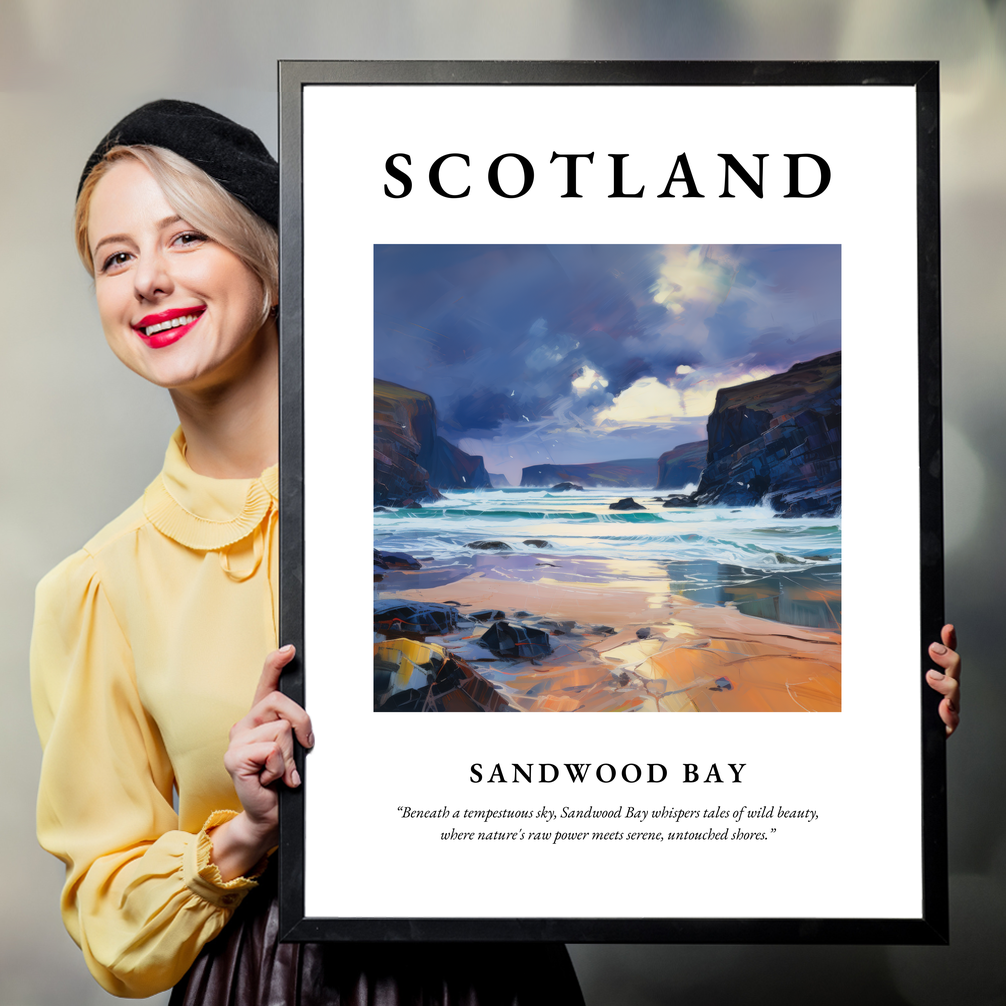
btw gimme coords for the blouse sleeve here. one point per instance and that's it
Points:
(141, 898)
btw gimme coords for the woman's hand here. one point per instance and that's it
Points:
(947, 682)
(260, 753)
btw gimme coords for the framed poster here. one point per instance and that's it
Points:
(603, 314)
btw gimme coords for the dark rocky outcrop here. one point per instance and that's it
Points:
(565, 487)
(680, 501)
(395, 560)
(486, 615)
(451, 468)
(823, 502)
(488, 545)
(681, 466)
(779, 439)
(537, 542)
(418, 677)
(410, 460)
(511, 639)
(628, 503)
(413, 619)
(557, 627)
(403, 421)
(596, 475)
(499, 481)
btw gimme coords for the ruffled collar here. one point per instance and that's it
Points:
(203, 513)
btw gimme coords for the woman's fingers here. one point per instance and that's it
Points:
(949, 636)
(274, 735)
(949, 660)
(274, 767)
(946, 681)
(949, 688)
(945, 654)
(259, 761)
(271, 671)
(277, 706)
(261, 749)
(949, 712)
(270, 703)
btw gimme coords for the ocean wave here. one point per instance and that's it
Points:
(582, 516)
(748, 538)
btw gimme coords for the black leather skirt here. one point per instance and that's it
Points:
(246, 965)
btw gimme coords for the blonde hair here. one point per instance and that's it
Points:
(199, 200)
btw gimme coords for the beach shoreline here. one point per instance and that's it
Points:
(622, 639)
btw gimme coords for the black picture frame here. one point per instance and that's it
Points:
(931, 926)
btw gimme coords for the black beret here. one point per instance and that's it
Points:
(231, 154)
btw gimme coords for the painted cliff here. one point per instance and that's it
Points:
(779, 440)
(411, 461)
(682, 466)
(596, 475)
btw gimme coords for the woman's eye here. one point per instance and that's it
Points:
(114, 261)
(190, 238)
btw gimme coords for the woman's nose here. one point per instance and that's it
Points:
(152, 277)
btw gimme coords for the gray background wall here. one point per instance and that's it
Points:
(82, 436)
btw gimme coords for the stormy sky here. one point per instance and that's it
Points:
(578, 353)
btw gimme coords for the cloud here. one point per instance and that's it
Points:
(519, 342)
(692, 276)
(588, 380)
(650, 402)
(647, 400)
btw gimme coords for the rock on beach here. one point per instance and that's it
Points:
(511, 639)
(626, 503)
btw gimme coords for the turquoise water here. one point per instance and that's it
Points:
(580, 523)
(785, 570)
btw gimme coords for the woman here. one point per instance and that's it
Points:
(149, 642)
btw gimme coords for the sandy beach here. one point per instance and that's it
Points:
(622, 639)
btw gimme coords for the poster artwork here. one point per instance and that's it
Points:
(607, 478)
(611, 471)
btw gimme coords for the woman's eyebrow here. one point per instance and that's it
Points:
(110, 240)
(160, 225)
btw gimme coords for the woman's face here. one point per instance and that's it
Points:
(177, 308)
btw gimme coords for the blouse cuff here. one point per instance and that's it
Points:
(202, 876)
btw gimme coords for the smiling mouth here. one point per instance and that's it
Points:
(177, 321)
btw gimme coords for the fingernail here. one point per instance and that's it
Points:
(938, 648)
(937, 675)
(310, 740)
(295, 777)
(287, 649)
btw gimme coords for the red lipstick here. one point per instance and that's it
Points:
(166, 327)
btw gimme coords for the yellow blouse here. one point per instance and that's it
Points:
(147, 647)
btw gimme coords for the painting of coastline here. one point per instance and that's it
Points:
(607, 478)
